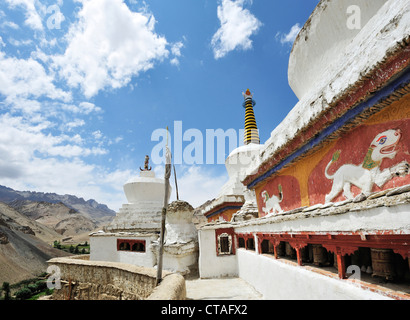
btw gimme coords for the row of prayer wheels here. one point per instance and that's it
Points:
(377, 262)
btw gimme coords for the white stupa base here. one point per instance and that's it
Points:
(179, 258)
(141, 216)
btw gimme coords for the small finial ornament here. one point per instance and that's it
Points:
(247, 94)
(146, 165)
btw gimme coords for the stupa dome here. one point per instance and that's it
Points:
(144, 188)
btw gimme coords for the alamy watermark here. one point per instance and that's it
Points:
(354, 19)
(355, 272)
(54, 280)
(193, 146)
(55, 17)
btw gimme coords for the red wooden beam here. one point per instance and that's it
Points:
(347, 243)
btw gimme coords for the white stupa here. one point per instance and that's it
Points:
(145, 195)
(133, 236)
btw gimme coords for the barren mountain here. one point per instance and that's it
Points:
(91, 209)
(22, 254)
(75, 225)
(57, 216)
(41, 231)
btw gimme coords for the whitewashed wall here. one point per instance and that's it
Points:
(277, 280)
(104, 248)
(210, 265)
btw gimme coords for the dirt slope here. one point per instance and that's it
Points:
(22, 254)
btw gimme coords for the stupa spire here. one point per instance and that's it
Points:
(251, 130)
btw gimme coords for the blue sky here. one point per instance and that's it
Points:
(85, 83)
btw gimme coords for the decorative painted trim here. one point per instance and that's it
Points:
(222, 210)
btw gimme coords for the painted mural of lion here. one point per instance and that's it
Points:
(272, 203)
(367, 174)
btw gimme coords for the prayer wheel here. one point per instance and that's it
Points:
(270, 247)
(319, 255)
(280, 249)
(382, 263)
(310, 252)
(289, 250)
(304, 252)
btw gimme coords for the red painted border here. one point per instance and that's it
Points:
(344, 243)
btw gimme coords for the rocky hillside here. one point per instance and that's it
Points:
(22, 252)
(41, 231)
(56, 216)
(90, 209)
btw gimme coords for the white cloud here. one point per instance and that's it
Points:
(26, 140)
(74, 124)
(97, 135)
(19, 43)
(9, 24)
(33, 159)
(289, 38)
(176, 51)
(33, 19)
(83, 108)
(196, 184)
(41, 118)
(115, 140)
(237, 26)
(27, 78)
(88, 107)
(176, 48)
(108, 45)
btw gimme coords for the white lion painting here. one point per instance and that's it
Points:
(367, 174)
(272, 203)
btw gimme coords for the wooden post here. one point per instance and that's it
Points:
(275, 250)
(163, 215)
(176, 183)
(299, 255)
(341, 266)
(161, 247)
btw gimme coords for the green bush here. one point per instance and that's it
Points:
(23, 294)
(32, 287)
(41, 285)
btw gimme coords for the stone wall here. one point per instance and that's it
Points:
(95, 280)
